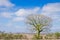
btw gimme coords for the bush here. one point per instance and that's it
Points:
(57, 35)
(35, 37)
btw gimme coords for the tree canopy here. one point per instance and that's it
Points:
(38, 22)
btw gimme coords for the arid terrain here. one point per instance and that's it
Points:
(28, 36)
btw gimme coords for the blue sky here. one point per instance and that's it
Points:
(13, 13)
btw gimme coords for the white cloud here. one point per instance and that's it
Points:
(52, 10)
(17, 19)
(24, 12)
(5, 7)
(21, 13)
(6, 3)
(6, 15)
(52, 7)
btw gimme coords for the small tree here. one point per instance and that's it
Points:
(38, 22)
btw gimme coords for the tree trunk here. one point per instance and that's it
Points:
(38, 34)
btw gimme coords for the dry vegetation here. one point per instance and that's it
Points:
(11, 36)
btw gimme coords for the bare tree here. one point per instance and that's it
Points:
(38, 23)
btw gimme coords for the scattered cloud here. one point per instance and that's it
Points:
(51, 7)
(17, 19)
(24, 12)
(52, 10)
(21, 13)
(5, 7)
(6, 3)
(6, 14)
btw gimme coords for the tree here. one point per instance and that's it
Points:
(38, 23)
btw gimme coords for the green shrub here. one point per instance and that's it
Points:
(35, 37)
(57, 35)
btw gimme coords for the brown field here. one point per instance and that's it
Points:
(27, 36)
